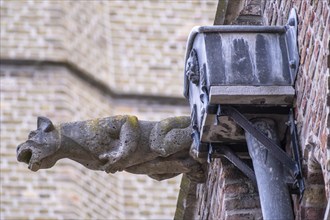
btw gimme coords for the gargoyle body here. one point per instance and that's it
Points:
(158, 149)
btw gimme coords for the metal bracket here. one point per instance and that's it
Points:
(225, 151)
(293, 165)
(263, 139)
(295, 148)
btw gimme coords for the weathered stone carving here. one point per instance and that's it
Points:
(192, 67)
(158, 149)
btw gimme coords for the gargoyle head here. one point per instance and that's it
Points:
(39, 150)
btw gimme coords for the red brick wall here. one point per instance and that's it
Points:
(312, 102)
(228, 194)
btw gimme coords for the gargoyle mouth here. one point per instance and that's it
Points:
(25, 155)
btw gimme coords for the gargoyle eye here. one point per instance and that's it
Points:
(32, 134)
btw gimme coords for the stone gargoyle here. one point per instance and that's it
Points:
(119, 143)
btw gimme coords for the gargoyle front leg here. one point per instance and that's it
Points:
(128, 141)
(171, 135)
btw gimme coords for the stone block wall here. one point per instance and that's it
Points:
(77, 60)
(27, 92)
(64, 31)
(31, 30)
(135, 47)
(161, 29)
(68, 190)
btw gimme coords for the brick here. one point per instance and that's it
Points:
(236, 188)
(315, 178)
(325, 12)
(242, 202)
(242, 216)
(314, 196)
(312, 213)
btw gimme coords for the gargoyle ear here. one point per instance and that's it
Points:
(45, 124)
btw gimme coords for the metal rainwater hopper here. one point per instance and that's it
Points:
(252, 68)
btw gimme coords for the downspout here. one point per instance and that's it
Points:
(273, 191)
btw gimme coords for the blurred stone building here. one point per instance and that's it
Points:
(77, 60)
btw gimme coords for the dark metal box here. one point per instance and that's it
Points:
(250, 67)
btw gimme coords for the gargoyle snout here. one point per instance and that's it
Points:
(24, 153)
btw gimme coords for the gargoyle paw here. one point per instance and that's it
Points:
(110, 158)
(112, 164)
(162, 152)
